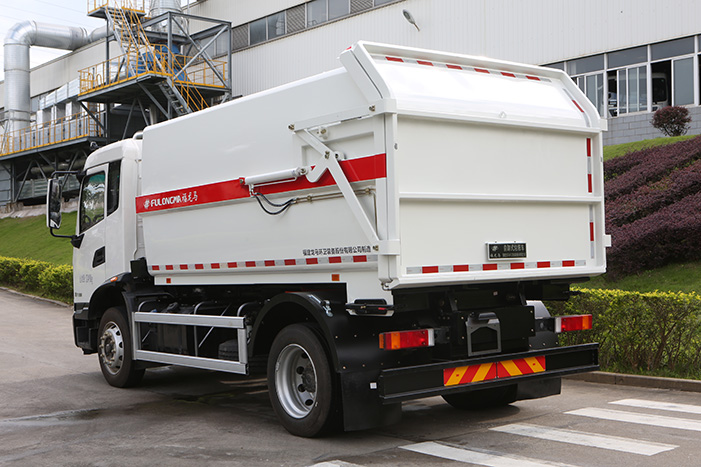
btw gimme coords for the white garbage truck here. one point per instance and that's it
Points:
(371, 235)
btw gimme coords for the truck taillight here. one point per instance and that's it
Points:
(573, 323)
(406, 339)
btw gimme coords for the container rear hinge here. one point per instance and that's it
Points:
(330, 161)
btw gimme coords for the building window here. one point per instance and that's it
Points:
(316, 13)
(276, 25)
(627, 90)
(258, 31)
(338, 8)
(585, 65)
(593, 87)
(298, 18)
(683, 81)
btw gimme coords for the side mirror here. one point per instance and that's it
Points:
(53, 204)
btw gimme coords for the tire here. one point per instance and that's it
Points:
(483, 398)
(114, 350)
(300, 383)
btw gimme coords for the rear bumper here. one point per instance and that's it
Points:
(402, 384)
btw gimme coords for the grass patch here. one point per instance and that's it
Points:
(617, 150)
(30, 238)
(683, 277)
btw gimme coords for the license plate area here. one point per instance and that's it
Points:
(512, 250)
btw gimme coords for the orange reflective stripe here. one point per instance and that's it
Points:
(489, 371)
(469, 374)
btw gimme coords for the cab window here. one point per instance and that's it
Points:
(92, 201)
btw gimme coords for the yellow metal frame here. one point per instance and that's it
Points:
(138, 6)
(121, 69)
(57, 131)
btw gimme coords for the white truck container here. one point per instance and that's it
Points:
(376, 233)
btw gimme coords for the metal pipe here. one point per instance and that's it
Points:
(17, 43)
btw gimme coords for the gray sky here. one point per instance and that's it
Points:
(65, 12)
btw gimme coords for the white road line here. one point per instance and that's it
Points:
(642, 419)
(614, 443)
(670, 406)
(335, 464)
(477, 457)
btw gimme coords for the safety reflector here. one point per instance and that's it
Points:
(495, 370)
(406, 339)
(573, 323)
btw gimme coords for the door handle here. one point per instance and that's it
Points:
(99, 257)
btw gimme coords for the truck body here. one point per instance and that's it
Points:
(374, 234)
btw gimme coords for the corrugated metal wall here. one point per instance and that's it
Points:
(533, 31)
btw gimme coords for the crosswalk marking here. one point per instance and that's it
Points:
(642, 419)
(335, 464)
(670, 406)
(614, 443)
(477, 457)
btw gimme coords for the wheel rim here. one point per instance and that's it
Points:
(112, 348)
(295, 381)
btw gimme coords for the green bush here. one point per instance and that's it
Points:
(37, 277)
(656, 333)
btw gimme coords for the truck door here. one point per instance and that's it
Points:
(90, 257)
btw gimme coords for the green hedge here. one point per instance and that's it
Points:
(655, 333)
(37, 277)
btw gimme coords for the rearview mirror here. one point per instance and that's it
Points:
(53, 204)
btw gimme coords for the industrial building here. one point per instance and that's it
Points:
(157, 59)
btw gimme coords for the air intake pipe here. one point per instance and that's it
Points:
(17, 43)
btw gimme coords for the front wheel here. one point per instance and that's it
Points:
(300, 382)
(114, 350)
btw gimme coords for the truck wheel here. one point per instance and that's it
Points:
(483, 398)
(300, 382)
(114, 350)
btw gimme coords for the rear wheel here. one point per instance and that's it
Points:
(300, 382)
(114, 350)
(483, 398)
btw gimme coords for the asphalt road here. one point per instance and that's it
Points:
(55, 410)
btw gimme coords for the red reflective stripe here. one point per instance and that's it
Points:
(360, 259)
(355, 170)
(394, 59)
(422, 62)
(168, 280)
(510, 75)
(250, 264)
(231, 265)
(290, 262)
(591, 231)
(567, 264)
(534, 78)
(590, 183)
(454, 67)
(481, 70)
(429, 269)
(169, 267)
(335, 259)
(269, 262)
(489, 267)
(575, 103)
(543, 264)
(199, 266)
(155, 268)
(461, 268)
(215, 266)
(588, 147)
(518, 265)
(183, 267)
(312, 260)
